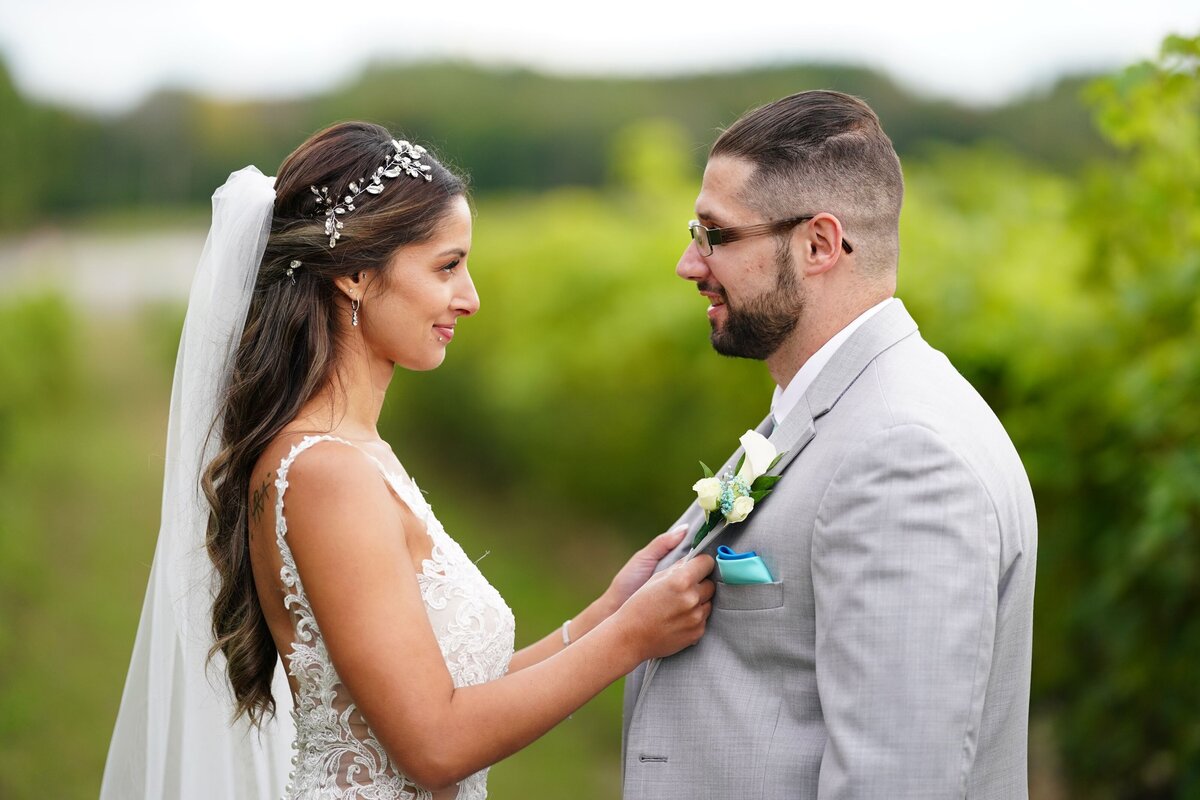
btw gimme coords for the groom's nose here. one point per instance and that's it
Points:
(692, 266)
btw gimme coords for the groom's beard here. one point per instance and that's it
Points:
(760, 326)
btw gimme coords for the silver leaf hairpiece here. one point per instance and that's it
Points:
(406, 160)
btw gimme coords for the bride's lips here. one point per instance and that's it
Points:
(445, 331)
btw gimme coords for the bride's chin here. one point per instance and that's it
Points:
(428, 362)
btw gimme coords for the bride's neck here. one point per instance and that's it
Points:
(350, 402)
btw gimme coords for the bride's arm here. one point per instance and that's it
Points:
(361, 582)
(628, 580)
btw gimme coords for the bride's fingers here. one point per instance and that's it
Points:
(664, 543)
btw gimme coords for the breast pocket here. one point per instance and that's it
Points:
(748, 596)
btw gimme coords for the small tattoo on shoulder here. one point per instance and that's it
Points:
(259, 499)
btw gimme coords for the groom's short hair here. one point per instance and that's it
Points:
(823, 151)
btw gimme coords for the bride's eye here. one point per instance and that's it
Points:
(450, 267)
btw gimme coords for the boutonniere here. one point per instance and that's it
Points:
(730, 497)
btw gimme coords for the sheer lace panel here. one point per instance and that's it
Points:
(337, 755)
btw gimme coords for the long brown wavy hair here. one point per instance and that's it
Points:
(288, 352)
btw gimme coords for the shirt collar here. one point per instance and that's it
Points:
(784, 400)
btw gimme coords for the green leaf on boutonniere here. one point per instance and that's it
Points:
(776, 461)
(710, 521)
(757, 496)
(741, 461)
(765, 482)
(708, 473)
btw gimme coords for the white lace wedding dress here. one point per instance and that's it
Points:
(337, 756)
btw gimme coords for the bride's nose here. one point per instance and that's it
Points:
(466, 299)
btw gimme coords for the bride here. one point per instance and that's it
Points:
(311, 542)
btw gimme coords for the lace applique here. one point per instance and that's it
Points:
(338, 757)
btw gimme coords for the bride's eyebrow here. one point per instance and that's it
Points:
(454, 251)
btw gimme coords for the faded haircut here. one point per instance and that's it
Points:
(823, 151)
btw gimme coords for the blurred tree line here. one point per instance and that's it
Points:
(510, 129)
(1064, 285)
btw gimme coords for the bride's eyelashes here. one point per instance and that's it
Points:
(449, 268)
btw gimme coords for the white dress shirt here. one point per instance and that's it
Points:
(784, 400)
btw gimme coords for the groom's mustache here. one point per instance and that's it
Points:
(712, 289)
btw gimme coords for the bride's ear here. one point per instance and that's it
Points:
(352, 286)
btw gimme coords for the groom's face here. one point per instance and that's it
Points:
(756, 297)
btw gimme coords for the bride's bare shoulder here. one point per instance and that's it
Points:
(326, 468)
(340, 513)
(322, 459)
(328, 474)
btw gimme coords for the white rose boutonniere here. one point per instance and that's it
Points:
(730, 499)
(708, 493)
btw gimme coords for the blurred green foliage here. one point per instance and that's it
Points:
(33, 392)
(82, 432)
(510, 129)
(566, 426)
(1133, 544)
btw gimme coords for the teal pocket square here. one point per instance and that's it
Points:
(741, 568)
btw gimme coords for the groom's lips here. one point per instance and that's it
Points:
(716, 304)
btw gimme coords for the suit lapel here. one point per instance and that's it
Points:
(791, 437)
(888, 327)
(694, 517)
(879, 333)
(639, 679)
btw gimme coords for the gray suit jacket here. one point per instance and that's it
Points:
(891, 657)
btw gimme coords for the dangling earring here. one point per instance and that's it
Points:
(354, 306)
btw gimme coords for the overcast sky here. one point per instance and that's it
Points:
(108, 55)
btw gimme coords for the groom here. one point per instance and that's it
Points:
(889, 655)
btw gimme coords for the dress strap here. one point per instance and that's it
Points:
(295, 599)
(281, 482)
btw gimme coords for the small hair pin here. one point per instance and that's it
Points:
(291, 270)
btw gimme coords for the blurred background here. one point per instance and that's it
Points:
(1051, 247)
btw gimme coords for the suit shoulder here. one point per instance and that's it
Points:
(921, 386)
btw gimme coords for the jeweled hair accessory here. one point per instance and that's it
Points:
(406, 160)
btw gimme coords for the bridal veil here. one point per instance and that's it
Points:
(174, 735)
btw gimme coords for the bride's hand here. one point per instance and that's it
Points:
(640, 567)
(670, 611)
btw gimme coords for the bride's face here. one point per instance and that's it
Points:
(408, 314)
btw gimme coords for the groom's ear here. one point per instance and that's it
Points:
(820, 244)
